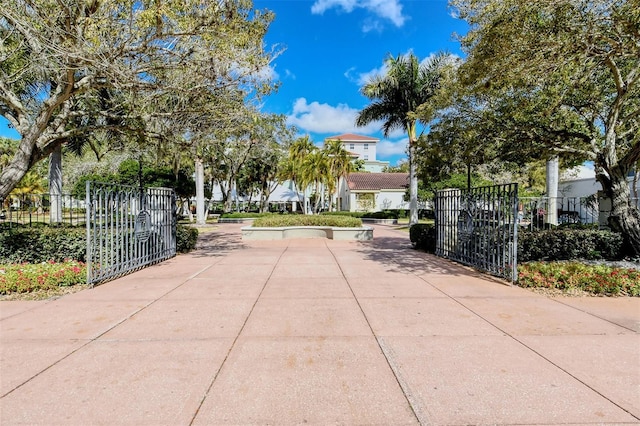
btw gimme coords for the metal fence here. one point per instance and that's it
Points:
(479, 227)
(30, 209)
(127, 229)
(538, 212)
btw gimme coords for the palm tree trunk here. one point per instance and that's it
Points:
(413, 175)
(413, 187)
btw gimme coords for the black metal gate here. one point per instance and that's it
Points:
(127, 229)
(479, 227)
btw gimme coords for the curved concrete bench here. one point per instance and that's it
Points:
(364, 233)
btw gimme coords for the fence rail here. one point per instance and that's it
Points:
(30, 209)
(537, 212)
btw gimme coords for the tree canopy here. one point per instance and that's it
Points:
(150, 68)
(561, 78)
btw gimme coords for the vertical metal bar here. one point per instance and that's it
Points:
(88, 253)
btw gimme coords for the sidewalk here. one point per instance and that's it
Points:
(321, 332)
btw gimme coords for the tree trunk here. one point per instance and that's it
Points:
(625, 217)
(16, 169)
(413, 184)
(55, 185)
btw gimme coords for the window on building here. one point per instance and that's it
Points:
(366, 146)
(366, 157)
(352, 146)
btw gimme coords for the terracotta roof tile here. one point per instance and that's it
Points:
(350, 137)
(377, 181)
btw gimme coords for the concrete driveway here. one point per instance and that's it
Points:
(321, 332)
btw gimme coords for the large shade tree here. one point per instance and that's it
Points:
(72, 67)
(396, 97)
(564, 77)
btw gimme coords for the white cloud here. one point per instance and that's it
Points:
(372, 25)
(266, 73)
(386, 9)
(387, 148)
(363, 78)
(390, 9)
(584, 171)
(321, 6)
(315, 117)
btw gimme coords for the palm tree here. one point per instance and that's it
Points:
(396, 97)
(294, 165)
(340, 165)
(315, 171)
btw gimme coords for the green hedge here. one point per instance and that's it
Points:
(568, 244)
(423, 237)
(186, 238)
(42, 244)
(547, 245)
(350, 214)
(307, 220)
(243, 215)
(387, 214)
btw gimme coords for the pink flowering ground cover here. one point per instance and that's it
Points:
(601, 280)
(41, 277)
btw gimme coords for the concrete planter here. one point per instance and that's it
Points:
(235, 219)
(364, 233)
(380, 221)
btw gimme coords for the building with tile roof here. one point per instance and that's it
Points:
(374, 192)
(362, 148)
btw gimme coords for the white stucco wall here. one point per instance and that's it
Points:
(363, 149)
(583, 187)
(388, 199)
(384, 200)
(578, 187)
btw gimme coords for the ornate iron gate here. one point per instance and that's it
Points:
(479, 227)
(127, 229)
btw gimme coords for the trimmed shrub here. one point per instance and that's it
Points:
(244, 215)
(567, 244)
(43, 244)
(46, 243)
(307, 220)
(186, 238)
(423, 237)
(340, 213)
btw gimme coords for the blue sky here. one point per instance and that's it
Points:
(332, 46)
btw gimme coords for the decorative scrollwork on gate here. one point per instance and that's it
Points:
(478, 227)
(127, 229)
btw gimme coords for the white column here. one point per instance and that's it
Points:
(55, 185)
(552, 191)
(200, 219)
